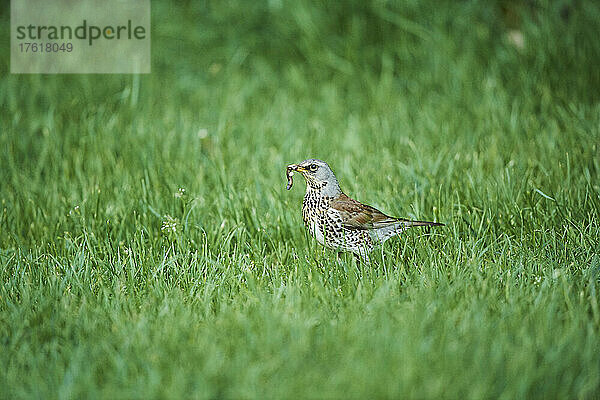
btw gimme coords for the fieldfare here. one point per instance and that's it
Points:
(336, 220)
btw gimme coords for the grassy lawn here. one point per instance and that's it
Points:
(149, 249)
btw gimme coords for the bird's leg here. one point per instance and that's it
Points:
(362, 259)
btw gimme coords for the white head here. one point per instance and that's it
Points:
(318, 176)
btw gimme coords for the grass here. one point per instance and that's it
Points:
(116, 283)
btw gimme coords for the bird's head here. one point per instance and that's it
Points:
(318, 175)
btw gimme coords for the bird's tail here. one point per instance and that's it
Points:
(409, 224)
(384, 233)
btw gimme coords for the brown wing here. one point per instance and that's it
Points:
(356, 215)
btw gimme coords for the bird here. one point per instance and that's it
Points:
(339, 222)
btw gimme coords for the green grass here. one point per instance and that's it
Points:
(424, 111)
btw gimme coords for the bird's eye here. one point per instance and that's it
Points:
(313, 167)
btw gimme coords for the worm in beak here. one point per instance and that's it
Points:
(289, 172)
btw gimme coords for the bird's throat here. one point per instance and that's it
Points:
(322, 189)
